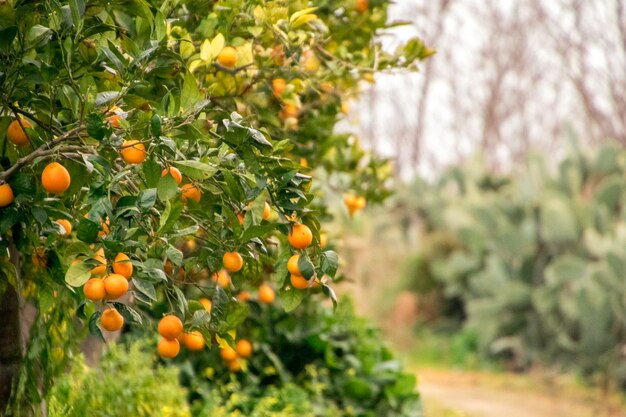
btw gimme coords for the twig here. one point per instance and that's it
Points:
(43, 150)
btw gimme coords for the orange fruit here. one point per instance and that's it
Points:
(116, 115)
(111, 320)
(133, 151)
(292, 265)
(190, 191)
(222, 278)
(266, 294)
(207, 304)
(278, 86)
(168, 348)
(304, 162)
(240, 217)
(193, 341)
(267, 210)
(94, 289)
(244, 296)
(102, 268)
(228, 354)
(234, 366)
(170, 327)
(362, 6)
(233, 262)
(115, 285)
(345, 107)
(6, 195)
(300, 236)
(244, 348)
(66, 225)
(228, 57)
(299, 282)
(55, 178)
(289, 110)
(122, 265)
(174, 172)
(16, 134)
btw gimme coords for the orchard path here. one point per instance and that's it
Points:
(478, 394)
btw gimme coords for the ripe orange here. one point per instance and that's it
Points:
(266, 294)
(228, 57)
(327, 87)
(115, 285)
(300, 236)
(278, 86)
(174, 172)
(122, 265)
(234, 366)
(362, 6)
(102, 268)
(354, 203)
(292, 265)
(244, 348)
(6, 195)
(222, 278)
(94, 289)
(193, 341)
(168, 348)
(228, 354)
(133, 152)
(233, 262)
(207, 304)
(55, 178)
(244, 296)
(240, 217)
(117, 114)
(299, 282)
(66, 225)
(267, 210)
(190, 191)
(16, 134)
(170, 327)
(111, 320)
(289, 110)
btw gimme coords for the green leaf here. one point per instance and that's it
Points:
(257, 231)
(147, 199)
(200, 318)
(237, 313)
(105, 97)
(39, 34)
(307, 270)
(145, 287)
(194, 306)
(130, 314)
(174, 255)
(167, 188)
(291, 299)
(94, 329)
(152, 172)
(78, 274)
(190, 94)
(170, 216)
(329, 292)
(87, 230)
(96, 127)
(155, 125)
(196, 170)
(329, 263)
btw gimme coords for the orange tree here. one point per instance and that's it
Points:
(131, 131)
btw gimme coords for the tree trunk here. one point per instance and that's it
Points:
(10, 343)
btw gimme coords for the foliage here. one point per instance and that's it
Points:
(124, 383)
(337, 358)
(83, 76)
(536, 259)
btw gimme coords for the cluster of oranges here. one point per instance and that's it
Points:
(232, 357)
(102, 286)
(172, 334)
(354, 203)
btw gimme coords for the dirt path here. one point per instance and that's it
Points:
(463, 394)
